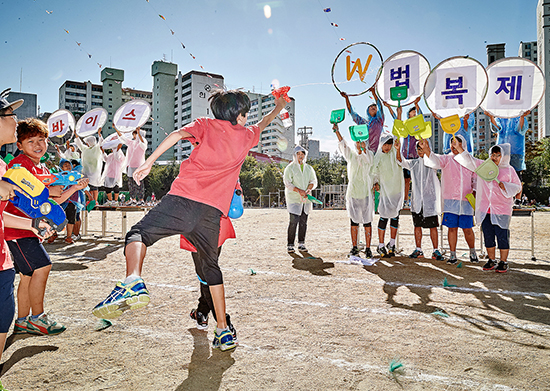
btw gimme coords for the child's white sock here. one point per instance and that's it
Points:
(131, 278)
(380, 245)
(392, 242)
(419, 248)
(219, 331)
(473, 251)
(453, 254)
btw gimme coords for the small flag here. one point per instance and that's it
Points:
(327, 10)
(333, 24)
(162, 17)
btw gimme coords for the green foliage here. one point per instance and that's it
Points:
(330, 171)
(160, 180)
(536, 177)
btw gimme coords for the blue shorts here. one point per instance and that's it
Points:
(7, 302)
(492, 231)
(457, 221)
(28, 255)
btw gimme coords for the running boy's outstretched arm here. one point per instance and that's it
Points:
(166, 144)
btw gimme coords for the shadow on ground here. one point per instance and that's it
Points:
(314, 265)
(205, 371)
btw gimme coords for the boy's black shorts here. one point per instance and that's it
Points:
(424, 222)
(28, 255)
(198, 222)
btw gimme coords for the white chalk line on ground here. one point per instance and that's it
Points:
(395, 283)
(372, 310)
(294, 354)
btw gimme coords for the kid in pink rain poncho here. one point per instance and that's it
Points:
(135, 155)
(494, 202)
(388, 174)
(92, 162)
(115, 163)
(456, 183)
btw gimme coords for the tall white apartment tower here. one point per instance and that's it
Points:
(192, 93)
(529, 50)
(276, 139)
(543, 46)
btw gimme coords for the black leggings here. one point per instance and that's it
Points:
(294, 221)
(383, 222)
(205, 301)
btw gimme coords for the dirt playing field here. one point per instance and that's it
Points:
(312, 323)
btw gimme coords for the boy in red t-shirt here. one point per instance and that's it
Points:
(8, 126)
(199, 196)
(31, 259)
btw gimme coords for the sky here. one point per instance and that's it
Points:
(296, 45)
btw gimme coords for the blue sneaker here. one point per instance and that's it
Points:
(225, 341)
(124, 297)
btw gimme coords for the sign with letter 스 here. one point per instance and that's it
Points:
(90, 122)
(131, 115)
(60, 122)
(516, 85)
(456, 86)
(356, 68)
(406, 68)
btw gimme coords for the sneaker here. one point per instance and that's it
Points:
(490, 265)
(391, 250)
(290, 248)
(76, 237)
(302, 247)
(474, 258)
(502, 267)
(124, 297)
(44, 326)
(368, 252)
(52, 238)
(437, 255)
(452, 261)
(231, 328)
(224, 341)
(22, 327)
(202, 320)
(417, 254)
(354, 251)
(69, 240)
(382, 251)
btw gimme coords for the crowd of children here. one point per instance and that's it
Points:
(393, 169)
(198, 203)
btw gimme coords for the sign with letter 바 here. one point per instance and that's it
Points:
(60, 122)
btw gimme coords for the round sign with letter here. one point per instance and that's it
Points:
(90, 122)
(60, 122)
(131, 115)
(516, 85)
(456, 86)
(406, 68)
(356, 68)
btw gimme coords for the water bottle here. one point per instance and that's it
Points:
(285, 117)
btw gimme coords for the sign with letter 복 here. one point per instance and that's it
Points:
(457, 85)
